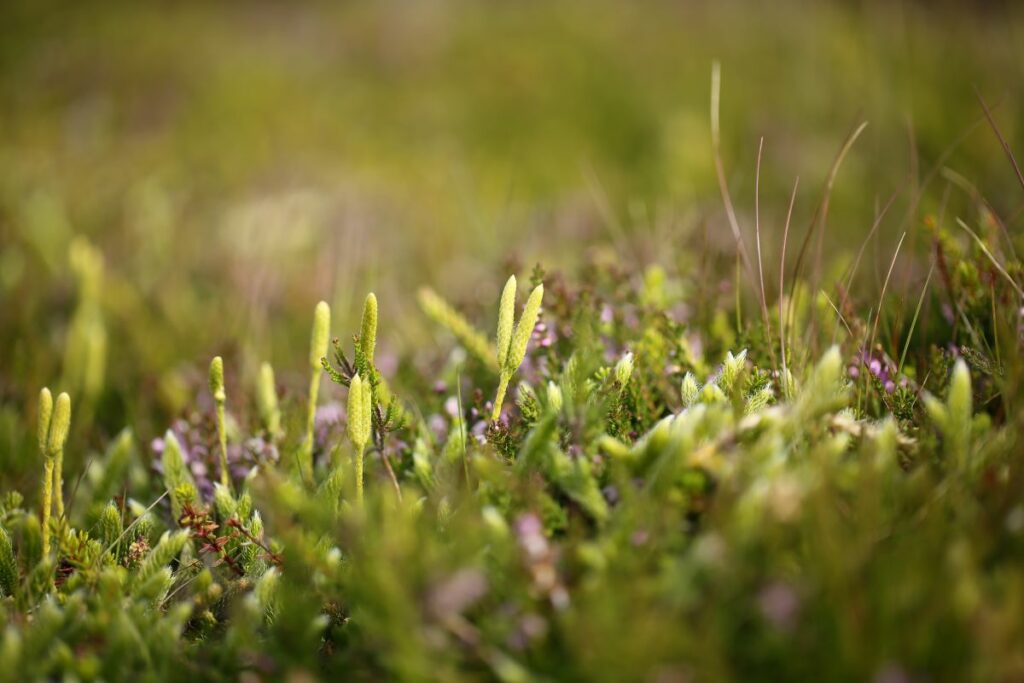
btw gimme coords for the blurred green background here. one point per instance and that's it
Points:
(234, 163)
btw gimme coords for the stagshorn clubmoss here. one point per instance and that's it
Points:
(652, 505)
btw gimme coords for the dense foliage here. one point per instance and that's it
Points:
(651, 505)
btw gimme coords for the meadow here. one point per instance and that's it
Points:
(565, 341)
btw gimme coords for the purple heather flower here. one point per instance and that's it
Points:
(198, 439)
(451, 406)
(611, 494)
(386, 362)
(327, 422)
(779, 605)
(438, 426)
(457, 593)
(530, 533)
(880, 370)
(479, 431)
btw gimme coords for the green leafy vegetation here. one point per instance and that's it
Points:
(743, 426)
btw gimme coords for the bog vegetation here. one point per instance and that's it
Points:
(756, 450)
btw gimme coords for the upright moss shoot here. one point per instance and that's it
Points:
(266, 395)
(318, 341)
(45, 411)
(511, 344)
(220, 398)
(359, 426)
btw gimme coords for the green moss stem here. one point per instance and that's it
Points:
(307, 460)
(47, 501)
(223, 437)
(500, 396)
(58, 482)
(359, 474)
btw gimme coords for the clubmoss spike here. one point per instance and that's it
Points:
(45, 413)
(359, 425)
(524, 329)
(43, 433)
(321, 333)
(368, 333)
(509, 360)
(318, 341)
(506, 316)
(266, 396)
(441, 312)
(59, 427)
(220, 397)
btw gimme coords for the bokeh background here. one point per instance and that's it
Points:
(212, 170)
